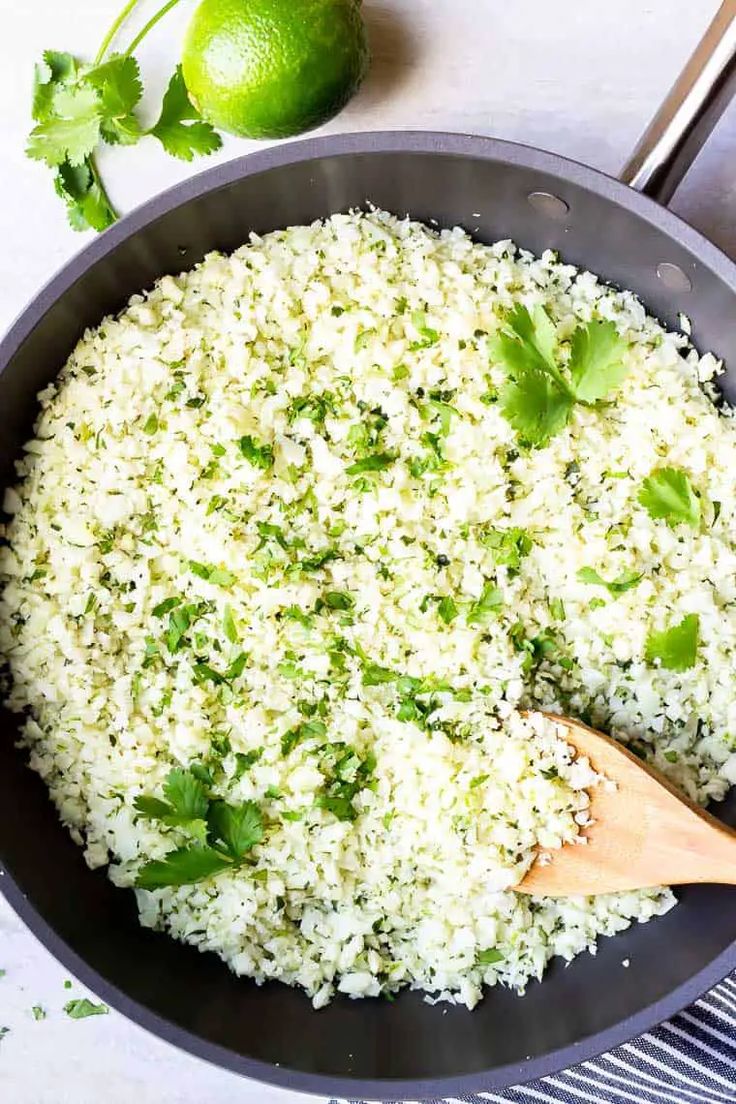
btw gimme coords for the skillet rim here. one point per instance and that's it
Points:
(439, 143)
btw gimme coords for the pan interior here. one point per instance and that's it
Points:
(193, 999)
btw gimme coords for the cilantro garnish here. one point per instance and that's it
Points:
(535, 406)
(306, 731)
(244, 760)
(488, 605)
(507, 546)
(223, 834)
(81, 1008)
(76, 107)
(260, 456)
(229, 626)
(237, 827)
(374, 674)
(667, 493)
(625, 581)
(185, 866)
(317, 561)
(267, 532)
(596, 363)
(447, 609)
(185, 806)
(338, 600)
(204, 672)
(218, 576)
(442, 413)
(346, 774)
(378, 461)
(427, 336)
(489, 957)
(166, 606)
(675, 648)
(539, 395)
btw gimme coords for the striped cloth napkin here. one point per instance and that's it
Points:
(690, 1060)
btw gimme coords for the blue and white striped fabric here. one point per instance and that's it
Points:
(690, 1060)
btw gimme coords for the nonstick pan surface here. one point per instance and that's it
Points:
(368, 1048)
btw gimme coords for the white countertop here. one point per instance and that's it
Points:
(581, 77)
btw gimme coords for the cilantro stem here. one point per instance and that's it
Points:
(150, 25)
(123, 15)
(98, 181)
(561, 382)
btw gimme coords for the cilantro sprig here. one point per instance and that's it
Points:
(668, 494)
(540, 393)
(222, 834)
(77, 107)
(675, 648)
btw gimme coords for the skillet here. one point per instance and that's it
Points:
(375, 1049)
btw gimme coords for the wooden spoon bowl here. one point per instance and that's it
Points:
(643, 833)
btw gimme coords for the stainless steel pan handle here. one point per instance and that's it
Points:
(692, 108)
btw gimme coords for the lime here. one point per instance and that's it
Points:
(272, 68)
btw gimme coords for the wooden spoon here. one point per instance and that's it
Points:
(644, 833)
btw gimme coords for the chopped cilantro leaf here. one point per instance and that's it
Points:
(228, 625)
(428, 336)
(260, 456)
(488, 605)
(362, 338)
(507, 546)
(378, 461)
(236, 667)
(166, 606)
(267, 531)
(374, 675)
(489, 957)
(667, 493)
(81, 1008)
(293, 613)
(203, 672)
(244, 760)
(346, 774)
(318, 560)
(625, 581)
(151, 425)
(305, 731)
(557, 609)
(675, 648)
(447, 609)
(218, 576)
(339, 600)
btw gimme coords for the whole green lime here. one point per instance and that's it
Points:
(272, 68)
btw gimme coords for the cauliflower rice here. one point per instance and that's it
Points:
(274, 525)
